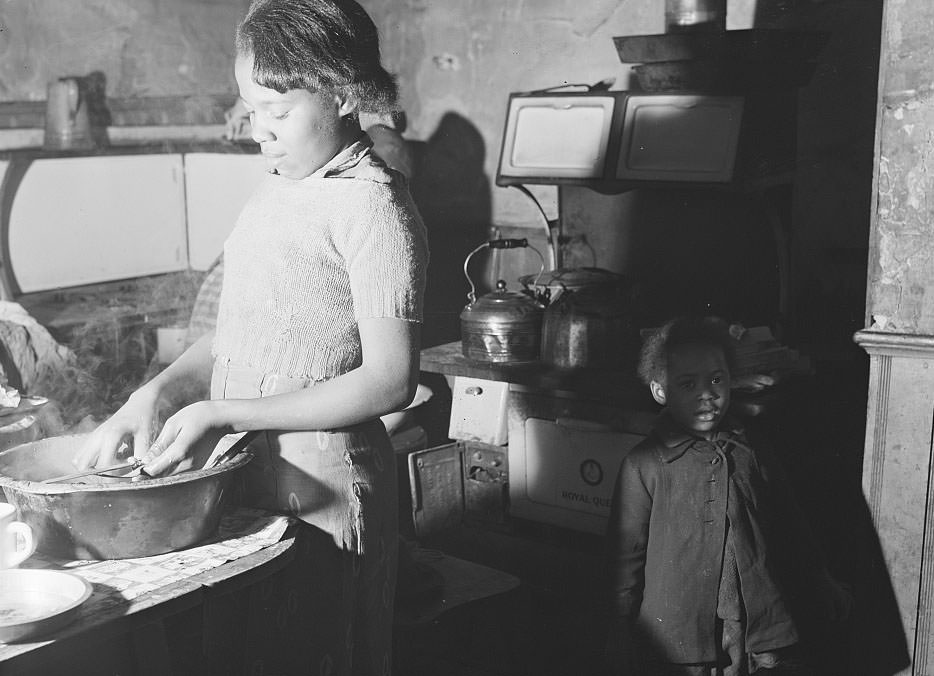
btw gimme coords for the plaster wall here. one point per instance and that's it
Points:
(143, 47)
(900, 319)
(902, 254)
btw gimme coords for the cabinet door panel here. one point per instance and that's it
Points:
(217, 186)
(85, 220)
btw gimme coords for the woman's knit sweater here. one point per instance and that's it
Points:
(308, 258)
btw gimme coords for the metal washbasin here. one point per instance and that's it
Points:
(111, 517)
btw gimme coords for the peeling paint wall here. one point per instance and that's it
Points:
(143, 47)
(901, 273)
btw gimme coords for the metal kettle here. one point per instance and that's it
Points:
(590, 327)
(503, 327)
(67, 123)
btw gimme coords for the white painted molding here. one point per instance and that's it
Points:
(895, 344)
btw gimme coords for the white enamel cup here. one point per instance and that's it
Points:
(16, 541)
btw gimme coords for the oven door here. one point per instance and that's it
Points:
(564, 454)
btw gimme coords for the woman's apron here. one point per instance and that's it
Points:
(342, 482)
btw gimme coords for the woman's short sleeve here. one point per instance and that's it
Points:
(386, 252)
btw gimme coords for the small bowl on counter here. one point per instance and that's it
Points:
(36, 602)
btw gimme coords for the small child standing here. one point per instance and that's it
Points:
(692, 532)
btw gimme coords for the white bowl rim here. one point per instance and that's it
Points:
(85, 586)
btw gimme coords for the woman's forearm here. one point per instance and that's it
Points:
(385, 382)
(190, 372)
(352, 398)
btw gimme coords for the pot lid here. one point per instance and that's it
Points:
(570, 278)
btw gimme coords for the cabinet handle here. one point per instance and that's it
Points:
(474, 390)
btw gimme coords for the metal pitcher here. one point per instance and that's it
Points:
(67, 124)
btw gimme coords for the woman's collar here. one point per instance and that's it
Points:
(348, 157)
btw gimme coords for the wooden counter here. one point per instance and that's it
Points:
(140, 634)
(612, 387)
(617, 386)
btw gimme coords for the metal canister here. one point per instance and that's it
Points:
(503, 326)
(589, 328)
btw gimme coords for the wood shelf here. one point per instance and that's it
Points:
(614, 387)
(608, 385)
(31, 153)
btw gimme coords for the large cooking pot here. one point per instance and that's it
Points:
(591, 327)
(503, 326)
(110, 517)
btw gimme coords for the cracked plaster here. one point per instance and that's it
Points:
(901, 269)
(143, 47)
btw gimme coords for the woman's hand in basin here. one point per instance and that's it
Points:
(136, 420)
(185, 442)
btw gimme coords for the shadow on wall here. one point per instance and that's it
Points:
(817, 446)
(830, 238)
(99, 117)
(699, 251)
(453, 194)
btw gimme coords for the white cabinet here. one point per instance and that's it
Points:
(84, 220)
(90, 219)
(216, 186)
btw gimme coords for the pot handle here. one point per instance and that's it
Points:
(505, 243)
(26, 540)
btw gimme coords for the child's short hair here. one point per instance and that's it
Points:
(322, 45)
(712, 331)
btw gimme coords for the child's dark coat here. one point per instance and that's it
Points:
(666, 538)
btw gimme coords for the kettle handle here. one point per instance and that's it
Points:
(505, 243)
(508, 243)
